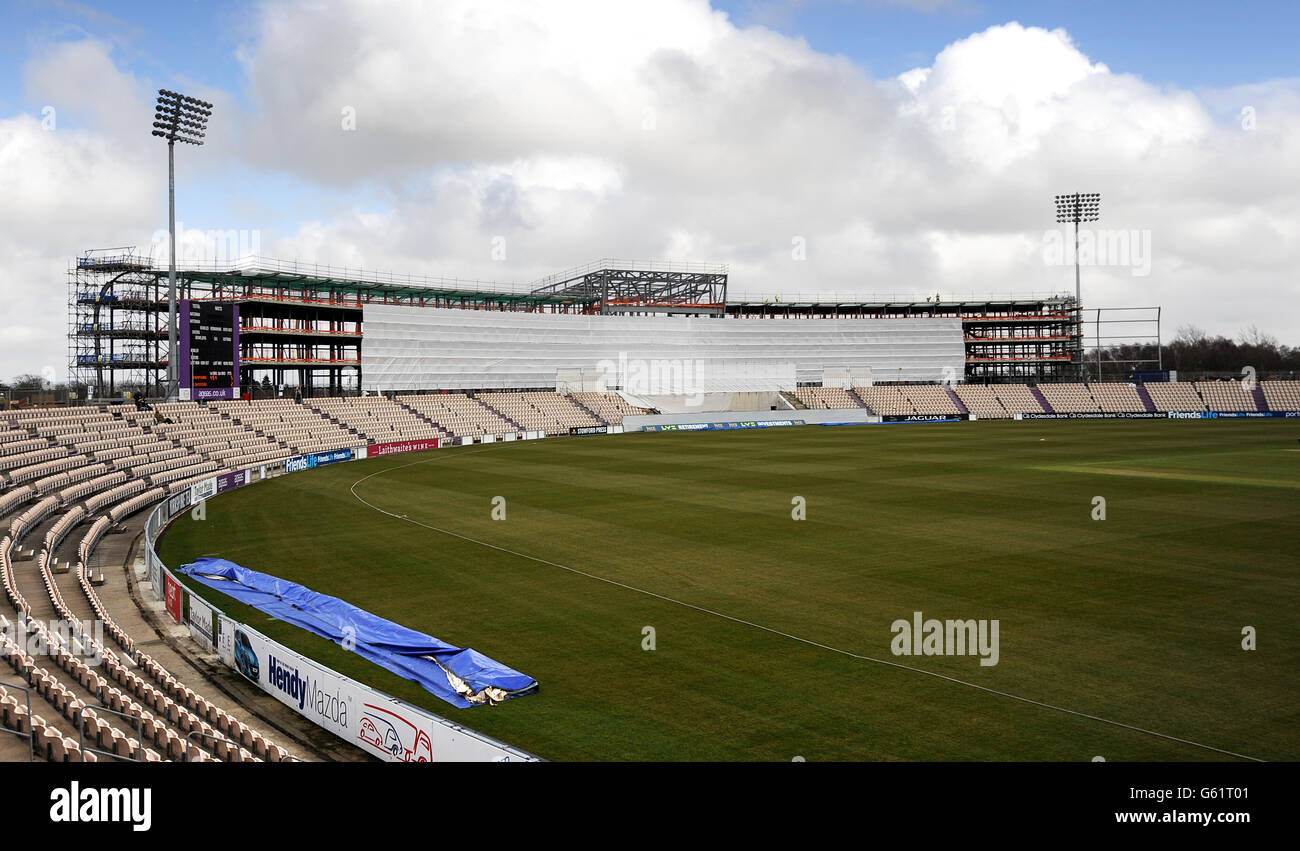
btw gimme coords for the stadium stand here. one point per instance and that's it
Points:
(1018, 399)
(458, 414)
(981, 401)
(929, 399)
(1226, 396)
(1281, 395)
(885, 399)
(1174, 396)
(610, 407)
(1117, 398)
(550, 412)
(1069, 398)
(299, 427)
(376, 419)
(825, 398)
(207, 433)
(76, 675)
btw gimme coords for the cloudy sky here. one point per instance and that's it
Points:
(875, 147)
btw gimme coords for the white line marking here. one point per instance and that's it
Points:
(767, 629)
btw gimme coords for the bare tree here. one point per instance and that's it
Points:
(1190, 335)
(1252, 337)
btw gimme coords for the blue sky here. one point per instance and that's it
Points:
(650, 129)
(1192, 43)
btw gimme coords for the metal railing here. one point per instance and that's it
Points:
(78, 718)
(949, 299)
(189, 741)
(252, 266)
(30, 735)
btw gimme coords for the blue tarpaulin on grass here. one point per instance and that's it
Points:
(434, 664)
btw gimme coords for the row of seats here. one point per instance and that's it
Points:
(99, 733)
(610, 407)
(545, 411)
(99, 501)
(930, 399)
(59, 481)
(1069, 398)
(377, 419)
(907, 399)
(299, 427)
(206, 432)
(1281, 395)
(36, 456)
(1226, 396)
(22, 441)
(1006, 400)
(458, 414)
(1118, 398)
(825, 398)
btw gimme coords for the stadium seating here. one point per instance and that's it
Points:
(1226, 396)
(1117, 398)
(377, 419)
(825, 398)
(48, 511)
(929, 399)
(885, 399)
(550, 412)
(458, 414)
(1018, 399)
(1174, 396)
(298, 427)
(610, 407)
(1281, 395)
(981, 401)
(1069, 398)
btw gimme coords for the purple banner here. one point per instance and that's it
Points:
(227, 481)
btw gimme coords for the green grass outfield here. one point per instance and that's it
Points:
(1136, 618)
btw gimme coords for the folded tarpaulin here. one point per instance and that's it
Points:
(460, 676)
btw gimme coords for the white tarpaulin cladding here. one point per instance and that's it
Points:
(415, 348)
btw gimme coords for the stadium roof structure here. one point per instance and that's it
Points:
(627, 286)
(606, 286)
(367, 285)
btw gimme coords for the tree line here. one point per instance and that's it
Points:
(1193, 351)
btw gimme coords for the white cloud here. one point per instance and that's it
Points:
(64, 191)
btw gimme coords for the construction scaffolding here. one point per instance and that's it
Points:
(117, 339)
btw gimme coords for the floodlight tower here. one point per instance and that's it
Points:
(177, 118)
(1079, 207)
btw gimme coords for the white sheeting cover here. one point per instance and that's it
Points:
(414, 348)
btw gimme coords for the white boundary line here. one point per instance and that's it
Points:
(732, 618)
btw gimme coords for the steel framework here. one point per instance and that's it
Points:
(612, 286)
(1124, 340)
